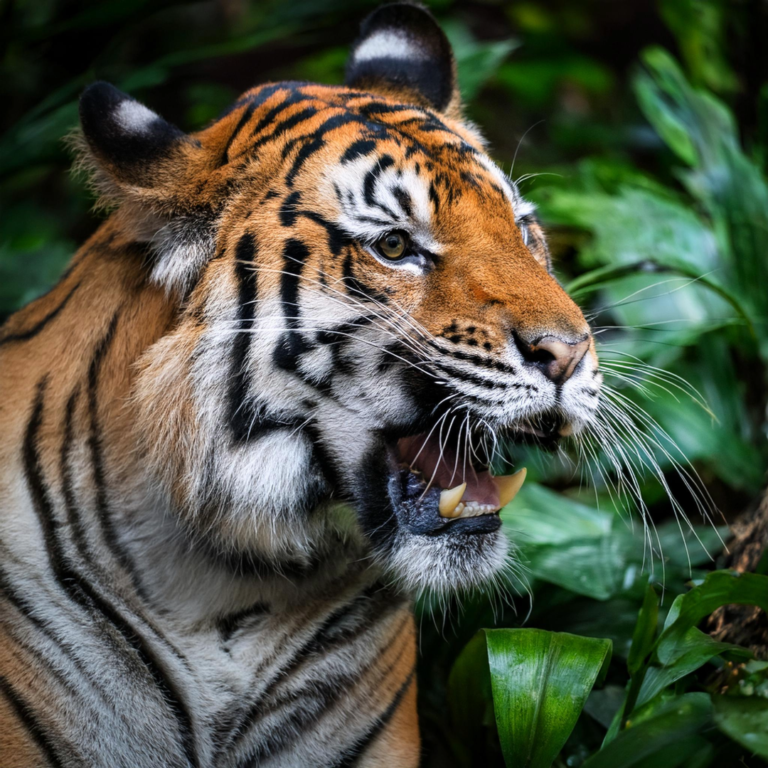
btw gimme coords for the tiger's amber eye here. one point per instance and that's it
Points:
(392, 245)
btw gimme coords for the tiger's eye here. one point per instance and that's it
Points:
(392, 245)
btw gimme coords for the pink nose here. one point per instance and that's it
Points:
(555, 358)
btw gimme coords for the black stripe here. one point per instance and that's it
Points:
(294, 97)
(244, 118)
(376, 603)
(369, 183)
(288, 210)
(485, 362)
(74, 520)
(434, 197)
(41, 625)
(28, 718)
(97, 460)
(247, 420)
(479, 380)
(78, 589)
(291, 344)
(241, 416)
(404, 200)
(352, 755)
(286, 125)
(359, 148)
(30, 333)
(337, 237)
(229, 624)
(308, 149)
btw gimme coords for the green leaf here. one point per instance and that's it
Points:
(745, 720)
(470, 700)
(540, 682)
(656, 734)
(719, 588)
(645, 631)
(476, 61)
(696, 649)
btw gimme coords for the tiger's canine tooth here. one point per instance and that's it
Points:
(449, 500)
(509, 485)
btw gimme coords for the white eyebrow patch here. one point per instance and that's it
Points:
(389, 44)
(134, 117)
(523, 208)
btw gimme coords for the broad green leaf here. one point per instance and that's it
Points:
(598, 568)
(591, 551)
(719, 588)
(656, 735)
(540, 681)
(541, 516)
(695, 650)
(745, 720)
(470, 700)
(645, 631)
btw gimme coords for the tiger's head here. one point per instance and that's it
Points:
(364, 301)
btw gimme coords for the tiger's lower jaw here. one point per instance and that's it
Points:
(436, 523)
(437, 554)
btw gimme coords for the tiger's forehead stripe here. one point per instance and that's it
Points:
(450, 154)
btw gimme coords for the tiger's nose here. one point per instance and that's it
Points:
(555, 358)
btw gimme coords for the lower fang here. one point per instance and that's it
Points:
(509, 485)
(450, 500)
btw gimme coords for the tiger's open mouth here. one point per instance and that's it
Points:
(442, 483)
(467, 488)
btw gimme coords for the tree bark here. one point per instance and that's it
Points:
(745, 624)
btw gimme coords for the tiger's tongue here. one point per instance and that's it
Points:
(449, 470)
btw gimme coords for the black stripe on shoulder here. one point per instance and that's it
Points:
(351, 757)
(29, 719)
(232, 622)
(30, 333)
(341, 627)
(79, 590)
(26, 609)
(97, 457)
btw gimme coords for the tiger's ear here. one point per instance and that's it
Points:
(131, 150)
(152, 170)
(402, 53)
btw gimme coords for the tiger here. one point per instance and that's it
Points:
(250, 423)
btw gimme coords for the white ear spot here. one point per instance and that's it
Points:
(134, 117)
(388, 44)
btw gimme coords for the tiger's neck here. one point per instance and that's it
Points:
(68, 416)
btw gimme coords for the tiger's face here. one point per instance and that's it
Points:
(366, 303)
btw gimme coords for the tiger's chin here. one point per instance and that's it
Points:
(447, 535)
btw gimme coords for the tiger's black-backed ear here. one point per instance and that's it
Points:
(125, 138)
(403, 53)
